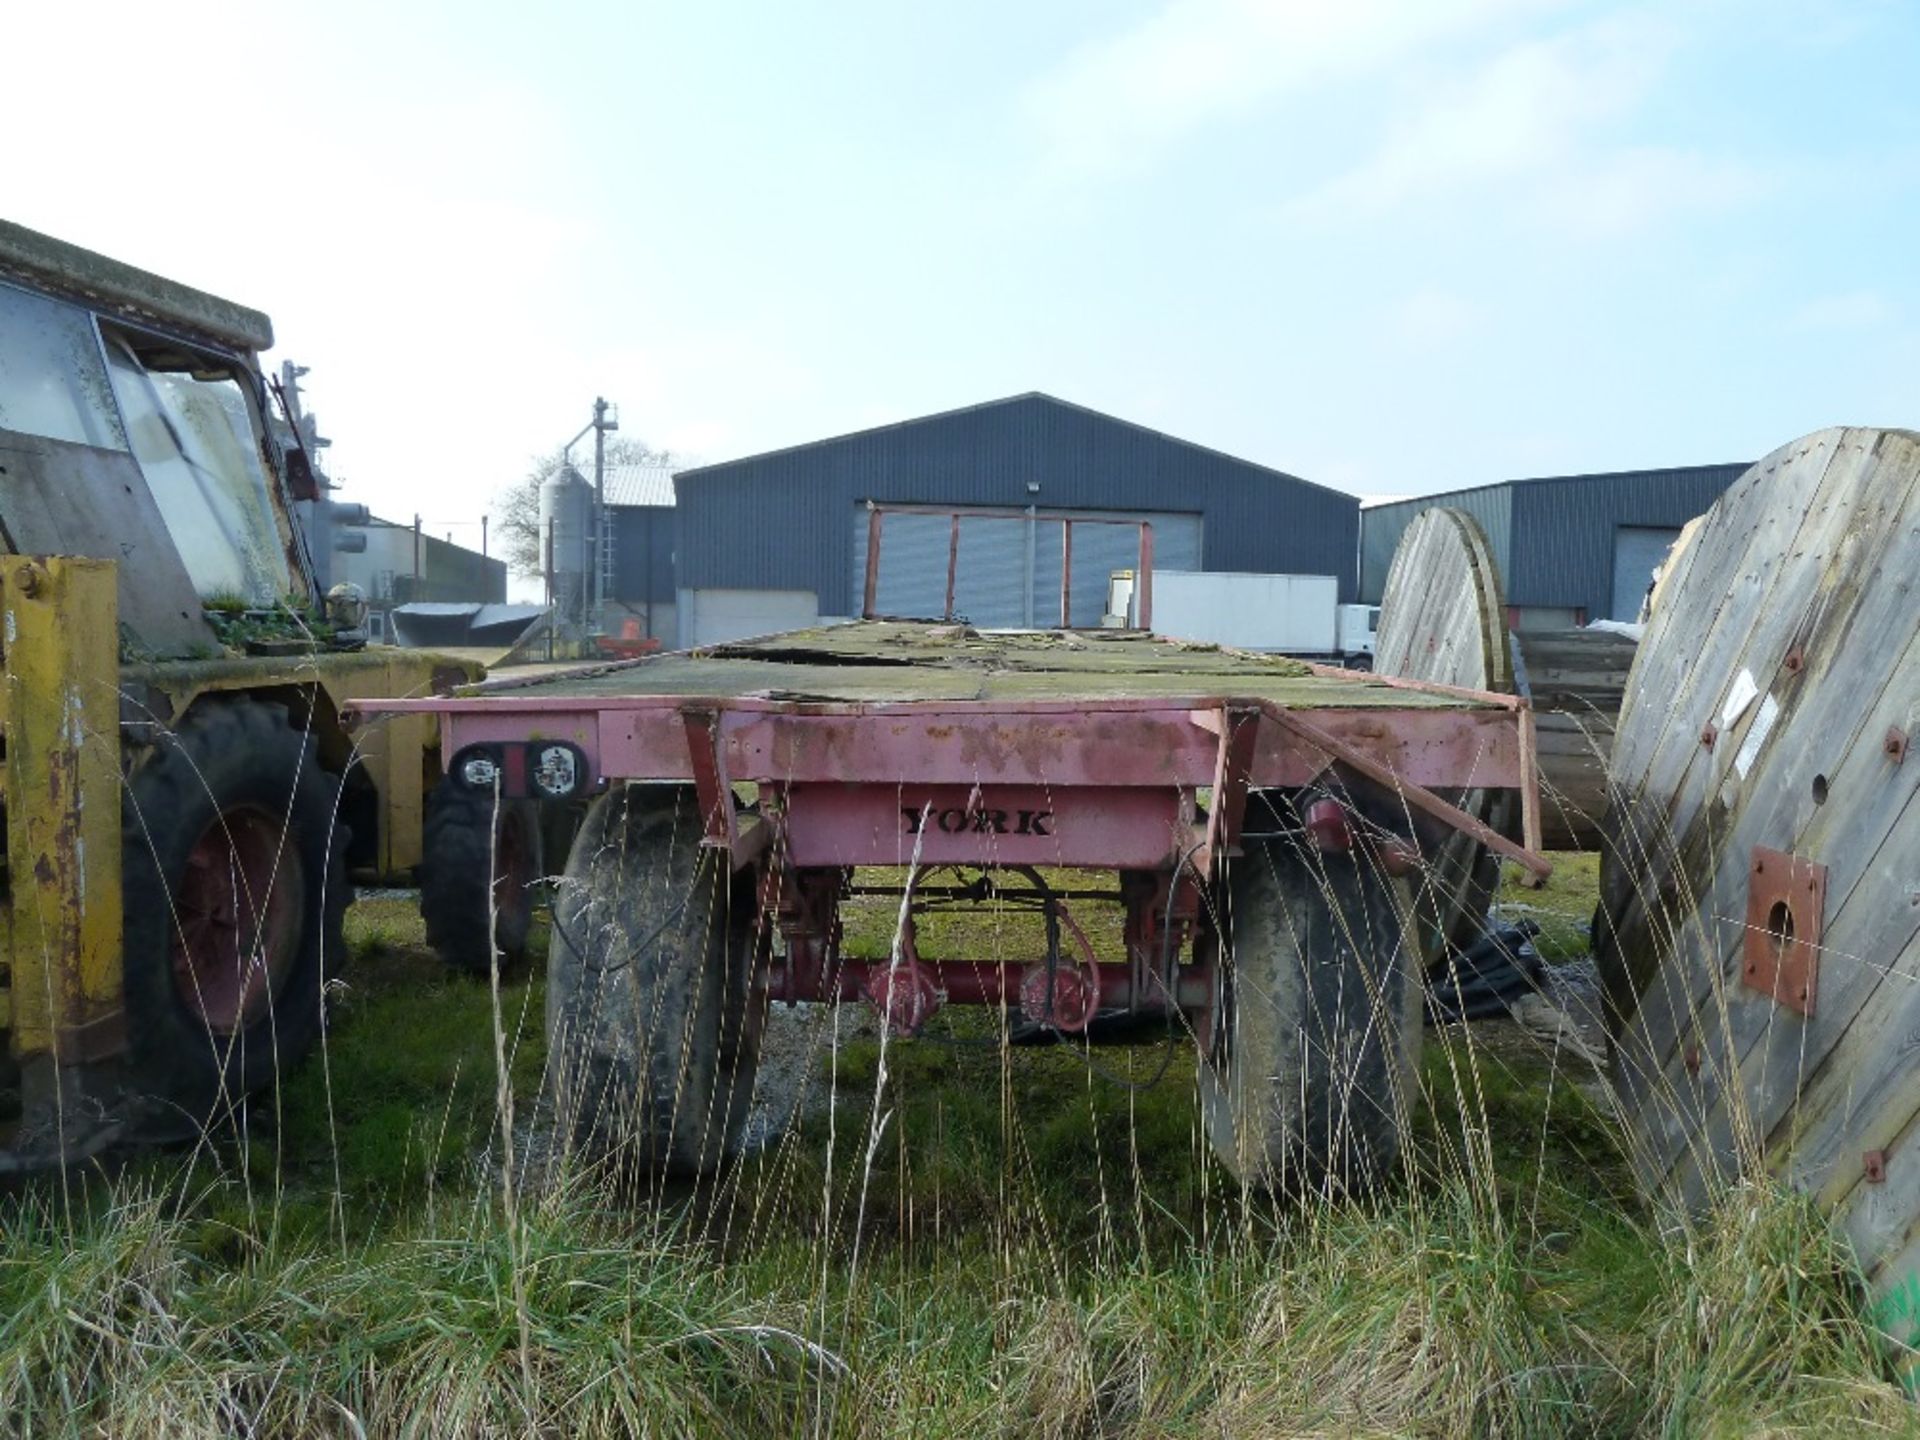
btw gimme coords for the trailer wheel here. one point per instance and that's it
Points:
(234, 889)
(1317, 1027)
(467, 837)
(654, 1008)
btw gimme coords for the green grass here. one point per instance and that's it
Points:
(409, 1066)
(1029, 1248)
(1562, 907)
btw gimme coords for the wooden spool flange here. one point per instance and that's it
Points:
(1442, 619)
(1761, 878)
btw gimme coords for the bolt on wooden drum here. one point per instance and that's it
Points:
(1760, 933)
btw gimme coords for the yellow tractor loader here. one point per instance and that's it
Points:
(184, 811)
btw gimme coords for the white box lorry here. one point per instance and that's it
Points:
(1299, 615)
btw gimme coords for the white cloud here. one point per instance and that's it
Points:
(1631, 189)
(1433, 319)
(1520, 112)
(1538, 123)
(1855, 310)
(1195, 62)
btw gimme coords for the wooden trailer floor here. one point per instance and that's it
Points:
(890, 661)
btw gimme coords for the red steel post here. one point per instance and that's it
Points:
(874, 515)
(1143, 587)
(953, 561)
(1066, 574)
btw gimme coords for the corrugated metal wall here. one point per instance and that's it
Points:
(1563, 529)
(779, 521)
(1554, 538)
(642, 554)
(1381, 527)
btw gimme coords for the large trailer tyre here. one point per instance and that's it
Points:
(1453, 900)
(469, 836)
(653, 1013)
(1317, 1029)
(234, 886)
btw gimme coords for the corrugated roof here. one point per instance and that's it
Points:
(639, 485)
(1025, 398)
(429, 608)
(505, 614)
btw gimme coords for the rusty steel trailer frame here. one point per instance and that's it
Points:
(1114, 784)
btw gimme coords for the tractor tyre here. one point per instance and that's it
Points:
(234, 889)
(1316, 1026)
(468, 836)
(655, 993)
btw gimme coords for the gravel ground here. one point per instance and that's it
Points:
(792, 1083)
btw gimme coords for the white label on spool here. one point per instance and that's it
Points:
(1738, 698)
(1757, 736)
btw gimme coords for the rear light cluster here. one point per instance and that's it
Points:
(532, 769)
(1331, 830)
(1327, 827)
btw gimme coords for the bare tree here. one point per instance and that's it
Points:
(516, 509)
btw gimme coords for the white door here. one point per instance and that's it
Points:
(713, 617)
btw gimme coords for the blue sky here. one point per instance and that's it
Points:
(1390, 245)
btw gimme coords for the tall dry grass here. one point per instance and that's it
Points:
(964, 1239)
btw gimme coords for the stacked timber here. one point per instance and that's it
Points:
(1761, 882)
(1574, 680)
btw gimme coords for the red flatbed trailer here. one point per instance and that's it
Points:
(1267, 820)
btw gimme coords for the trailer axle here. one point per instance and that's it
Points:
(911, 989)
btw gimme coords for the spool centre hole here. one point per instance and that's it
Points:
(1780, 926)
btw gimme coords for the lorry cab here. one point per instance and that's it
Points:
(1357, 624)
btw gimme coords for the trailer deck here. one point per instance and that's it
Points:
(906, 712)
(896, 661)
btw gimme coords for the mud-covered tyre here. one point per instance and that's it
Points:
(467, 838)
(234, 888)
(1309, 1070)
(654, 1006)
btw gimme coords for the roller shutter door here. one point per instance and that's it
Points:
(1008, 571)
(1637, 551)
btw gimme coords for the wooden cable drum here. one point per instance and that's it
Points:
(1443, 620)
(1761, 882)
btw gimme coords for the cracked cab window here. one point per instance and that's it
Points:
(190, 427)
(52, 383)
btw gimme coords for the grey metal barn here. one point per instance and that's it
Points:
(779, 540)
(641, 515)
(1572, 549)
